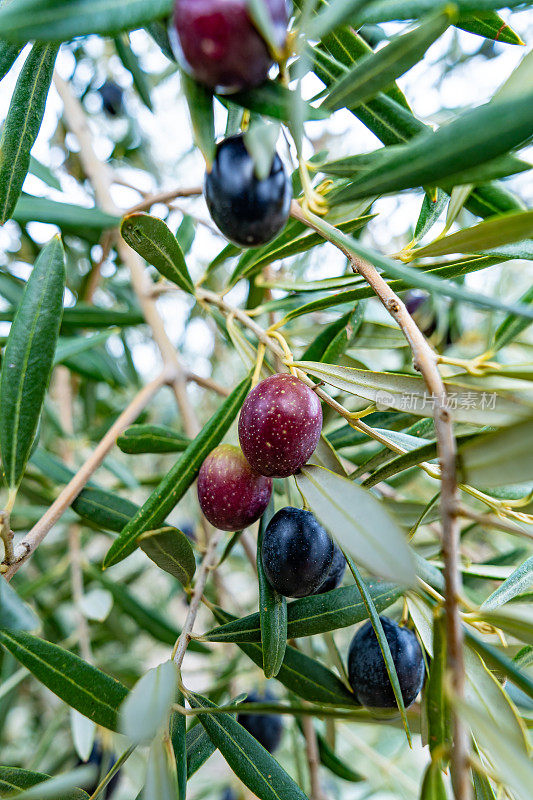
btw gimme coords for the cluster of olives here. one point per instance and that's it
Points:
(279, 428)
(218, 43)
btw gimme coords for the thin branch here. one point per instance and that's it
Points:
(101, 179)
(165, 198)
(208, 563)
(207, 383)
(425, 361)
(490, 521)
(36, 535)
(313, 758)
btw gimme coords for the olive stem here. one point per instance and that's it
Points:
(7, 537)
(36, 535)
(101, 178)
(426, 362)
(208, 563)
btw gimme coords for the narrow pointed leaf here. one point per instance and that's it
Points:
(170, 549)
(272, 613)
(488, 24)
(485, 133)
(485, 692)
(153, 240)
(332, 16)
(179, 478)
(199, 749)
(272, 99)
(437, 704)
(131, 63)
(377, 70)
(301, 674)
(58, 20)
(518, 583)
(487, 235)
(382, 641)
(515, 619)
(256, 768)
(512, 326)
(178, 737)
(406, 392)
(23, 123)
(28, 359)
(8, 55)
(15, 780)
(499, 661)
(80, 685)
(151, 439)
(15, 614)
(161, 777)
(510, 763)
(432, 208)
(388, 10)
(433, 783)
(336, 765)
(200, 102)
(308, 616)
(147, 707)
(359, 522)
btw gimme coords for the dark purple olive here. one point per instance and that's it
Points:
(296, 553)
(280, 425)
(367, 671)
(248, 210)
(336, 572)
(266, 728)
(112, 98)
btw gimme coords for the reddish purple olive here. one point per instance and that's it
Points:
(231, 494)
(248, 210)
(217, 42)
(368, 674)
(280, 425)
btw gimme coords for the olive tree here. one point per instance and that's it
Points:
(243, 437)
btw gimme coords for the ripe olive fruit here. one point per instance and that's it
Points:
(248, 210)
(368, 674)
(280, 425)
(296, 553)
(231, 494)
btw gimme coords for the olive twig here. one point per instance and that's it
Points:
(208, 561)
(426, 362)
(7, 538)
(101, 179)
(475, 366)
(36, 535)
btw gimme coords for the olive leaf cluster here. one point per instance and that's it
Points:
(136, 639)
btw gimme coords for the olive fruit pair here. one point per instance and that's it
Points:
(279, 428)
(367, 671)
(217, 41)
(298, 556)
(266, 728)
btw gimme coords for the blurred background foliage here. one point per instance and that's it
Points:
(125, 620)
